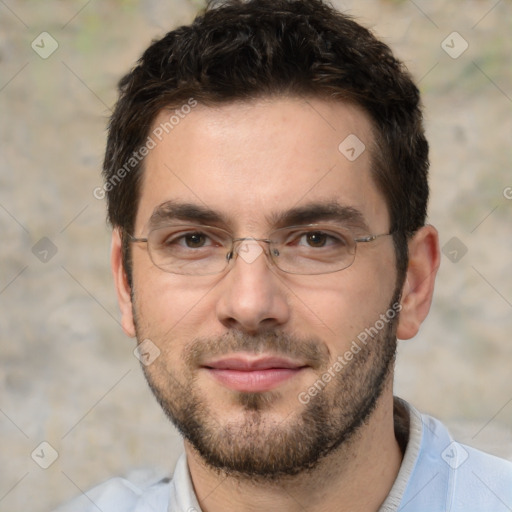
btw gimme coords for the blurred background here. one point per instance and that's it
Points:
(68, 376)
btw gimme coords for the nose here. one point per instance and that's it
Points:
(252, 295)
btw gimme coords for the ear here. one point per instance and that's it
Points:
(121, 284)
(424, 259)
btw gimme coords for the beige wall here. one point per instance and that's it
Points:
(68, 375)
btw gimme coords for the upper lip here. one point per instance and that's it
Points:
(250, 364)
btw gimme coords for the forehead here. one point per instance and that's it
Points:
(252, 161)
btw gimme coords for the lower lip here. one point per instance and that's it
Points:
(255, 380)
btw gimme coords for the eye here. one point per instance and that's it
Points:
(194, 240)
(183, 240)
(320, 239)
(316, 239)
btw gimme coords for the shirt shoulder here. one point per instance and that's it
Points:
(147, 495)
(122, 495)
(480, 481)
(450, 476)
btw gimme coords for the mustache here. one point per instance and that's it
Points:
(312, 351)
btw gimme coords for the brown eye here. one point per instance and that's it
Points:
(316, 239)
(194, 240)
(319, 240)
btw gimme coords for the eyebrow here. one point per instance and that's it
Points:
(189, 212)
(310, 213)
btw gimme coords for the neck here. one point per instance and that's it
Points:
(356, 477)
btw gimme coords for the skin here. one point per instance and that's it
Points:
(248, 161)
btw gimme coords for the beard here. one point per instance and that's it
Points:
(256, 446)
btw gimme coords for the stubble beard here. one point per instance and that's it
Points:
(256, 447)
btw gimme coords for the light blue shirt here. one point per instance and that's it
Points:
(437, 475)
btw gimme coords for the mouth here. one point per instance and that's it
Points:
(253, 374)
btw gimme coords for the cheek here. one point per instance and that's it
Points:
(170, 307)
(344, 304)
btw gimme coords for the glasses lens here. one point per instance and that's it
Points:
(202, 250)
(312, 249)
(189, 250)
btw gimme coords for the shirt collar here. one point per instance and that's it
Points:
(404, 415)
(182, 494)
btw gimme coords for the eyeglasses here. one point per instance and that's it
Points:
(205, 250)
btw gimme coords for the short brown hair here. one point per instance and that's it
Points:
(243, 50)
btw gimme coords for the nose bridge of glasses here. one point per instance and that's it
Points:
(248, 248)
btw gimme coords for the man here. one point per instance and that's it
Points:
(266, 176)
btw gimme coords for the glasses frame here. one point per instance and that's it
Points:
(231, 252)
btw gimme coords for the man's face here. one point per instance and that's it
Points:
(245, 167)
